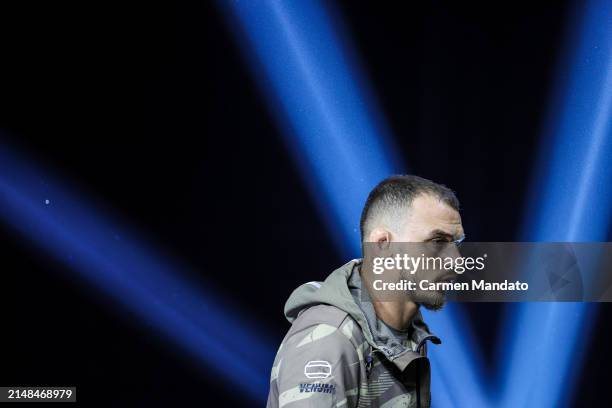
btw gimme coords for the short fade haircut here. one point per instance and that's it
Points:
(394, 195)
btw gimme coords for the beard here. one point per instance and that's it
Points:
(429, 299)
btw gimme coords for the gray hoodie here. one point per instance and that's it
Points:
(338, 354)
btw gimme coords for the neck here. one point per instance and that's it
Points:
(398, 315)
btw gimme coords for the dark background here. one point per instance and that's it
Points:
(150, 110)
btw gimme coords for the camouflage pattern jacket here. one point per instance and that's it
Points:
(338, 354)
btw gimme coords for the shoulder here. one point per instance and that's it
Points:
(318, 349)
(325, 322)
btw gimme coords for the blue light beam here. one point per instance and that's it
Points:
(571, 200)
(316, 93)
(111, 259)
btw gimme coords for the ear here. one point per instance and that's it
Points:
(381, 236)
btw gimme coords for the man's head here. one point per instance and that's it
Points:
(412, 209)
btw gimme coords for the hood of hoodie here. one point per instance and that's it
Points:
(336, 291)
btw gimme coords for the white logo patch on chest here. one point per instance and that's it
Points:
(317, 369)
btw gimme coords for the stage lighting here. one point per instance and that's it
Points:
(150, 286)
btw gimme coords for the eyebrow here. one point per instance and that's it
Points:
(438, 233)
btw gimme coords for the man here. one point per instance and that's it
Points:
(345, 352)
